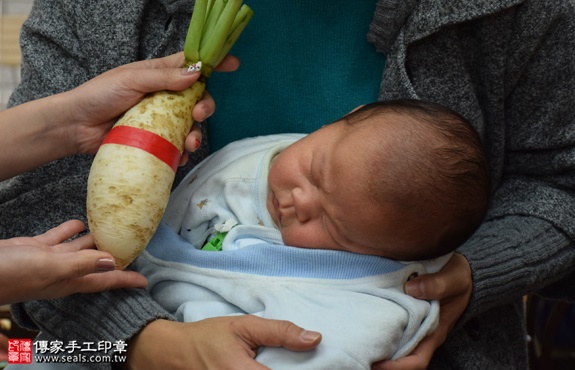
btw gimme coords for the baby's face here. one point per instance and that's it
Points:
(317, 195)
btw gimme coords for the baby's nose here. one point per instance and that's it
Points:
(307, 204)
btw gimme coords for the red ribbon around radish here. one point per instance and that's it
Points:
(146, 141)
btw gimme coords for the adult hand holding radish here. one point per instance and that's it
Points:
(133, 172)
(73, 122)
(43, 266)
(76, 121)
(105, 98)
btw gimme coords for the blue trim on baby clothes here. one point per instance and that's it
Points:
(267, 259)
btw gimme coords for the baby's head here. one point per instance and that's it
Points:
(403, 179)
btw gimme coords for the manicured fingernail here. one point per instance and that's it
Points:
(414, 289)
(188, 71)
(310, 336)
(105, 264)
(195, 67)
(197, 144)
(205, 114)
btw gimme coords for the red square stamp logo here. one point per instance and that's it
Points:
(19, 351)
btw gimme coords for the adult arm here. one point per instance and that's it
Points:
(43, 130)
(519, 87)
(60, 53)
(521, 91)
(57, 57)
(40, 131)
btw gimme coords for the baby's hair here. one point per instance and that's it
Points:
(434, 171)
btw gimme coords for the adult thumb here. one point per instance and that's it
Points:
(279, 333)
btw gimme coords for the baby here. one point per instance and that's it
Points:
(404, 180)
(390, 182)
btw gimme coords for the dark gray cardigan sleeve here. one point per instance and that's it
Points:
(508, 67)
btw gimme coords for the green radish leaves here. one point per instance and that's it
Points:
(213, 30)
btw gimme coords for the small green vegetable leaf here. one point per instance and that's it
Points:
(214, 28)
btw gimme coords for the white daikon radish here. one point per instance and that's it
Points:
(133, 172)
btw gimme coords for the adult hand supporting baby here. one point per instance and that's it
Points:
(452, 286)
(43, 266)
(201, 343)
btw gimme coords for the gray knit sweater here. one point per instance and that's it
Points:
(507, 65)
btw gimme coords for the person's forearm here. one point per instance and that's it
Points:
(507, 264)
(109, 316)
(33, 134)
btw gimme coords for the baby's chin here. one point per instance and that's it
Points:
(289, 239)
(295, 239)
